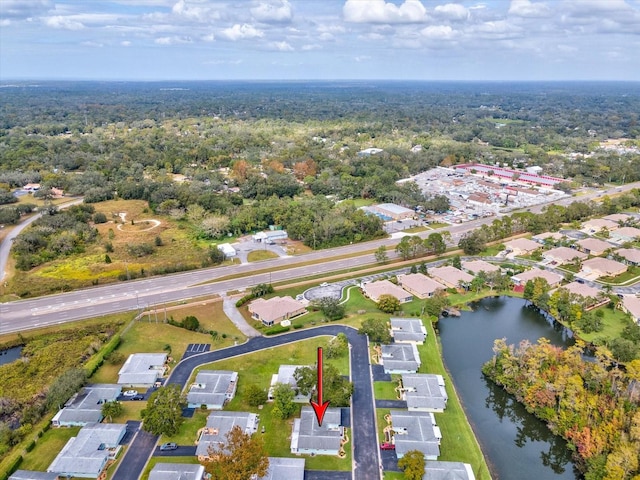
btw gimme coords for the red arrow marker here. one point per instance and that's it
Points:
(320, 408)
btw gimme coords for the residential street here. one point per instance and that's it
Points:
(363, 440)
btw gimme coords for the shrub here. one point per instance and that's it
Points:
(276, 329)
(99, 218)
(30, 446)
(96, 361)
(191, 323)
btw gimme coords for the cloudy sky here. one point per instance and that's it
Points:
(320, 39)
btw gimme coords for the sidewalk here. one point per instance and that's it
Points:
(229, 307)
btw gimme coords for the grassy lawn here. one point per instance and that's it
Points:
(154, 460)
(149, 337)
(131, 411)
(391, 476)
(385, 390)
(257, 255)
(188, 434)
(626, 277)
(492, 250)
(614, 321)
(47, 448)
(327, 462)
(436, 225)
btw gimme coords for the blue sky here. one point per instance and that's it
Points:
(320, 39)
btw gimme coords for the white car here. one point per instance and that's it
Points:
(130, 393)
(324, 284)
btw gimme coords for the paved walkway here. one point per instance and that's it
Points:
(230, 309)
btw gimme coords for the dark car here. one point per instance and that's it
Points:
(168, 446)
(138, 397)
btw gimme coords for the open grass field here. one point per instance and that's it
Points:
(613, 322)
(47, 448)
(147, 336)
(258, 255)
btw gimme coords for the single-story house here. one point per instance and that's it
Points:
(597, 225)
(86, 406)
(601, 267)
(476, 266)
(374, 290)
(30, 475)
(625, 234)
(419, 285)
(631, 256)
(400, 358)
(451, 277)
(593, 246)
(227, 250)
(617, 217)
(586, 291)
(271, 236)
(219, 423)
(176, 471)
(31, 187)
(285, 375)
(87, 454)
(213, 388)
(562, 255)
(142, 369)
(275, 309)
(310, 438)
(521, 246)
(408, 330)
(424, 392)
(548, 236)
(396, 212)
(416, 431)
(553, 279)
(631, 305)
(282, 468)
(448, 471)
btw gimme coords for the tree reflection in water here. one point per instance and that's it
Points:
(529, 428)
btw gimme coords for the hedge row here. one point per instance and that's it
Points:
(98, 359)
(276, 329)
(13, 466)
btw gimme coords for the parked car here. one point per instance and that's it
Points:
(130, 393)
(168, 446)
(387, 446)
(137, 397)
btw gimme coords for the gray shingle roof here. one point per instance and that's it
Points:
(219, 424)
(29, 475)
(400, 357)
(425, 391)
(284, 469)
(436, 470)
(87, 453)
(415, 431)
(142, 369)
(86, 406)
(213, 387)
(176, 471)
(308, 435)
(408, 330)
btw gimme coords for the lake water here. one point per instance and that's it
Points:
(515, 443)
(9, 355)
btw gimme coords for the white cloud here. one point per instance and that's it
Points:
(380, 11)
(309, 47)
(125, 43)
(238, 32)
(362, 58)
(174, 40)
(452, 11)
(279, 11)
(499, 29)
(281, 46)
(92, 44)
(209, 37)
(528, 9)
(438, 32)
(197, 13)
(5, 22)
(63, 22)
(20, 9)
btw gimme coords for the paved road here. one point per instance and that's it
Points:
(136, 456)
(363, 435)
(97, 301)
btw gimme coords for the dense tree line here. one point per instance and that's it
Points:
(591, 404)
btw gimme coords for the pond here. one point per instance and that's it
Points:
(10, 354)
(515, 443)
